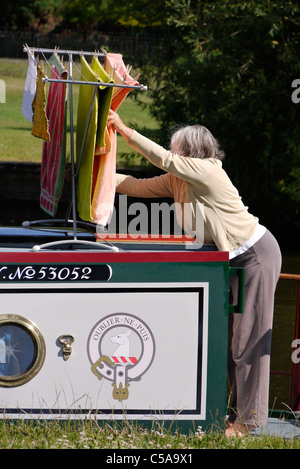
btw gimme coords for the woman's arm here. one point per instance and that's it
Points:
(158, 186)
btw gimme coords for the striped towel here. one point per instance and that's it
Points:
(54, 152)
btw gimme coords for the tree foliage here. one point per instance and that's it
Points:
(229, 65)
(45, 15)
(41, 15)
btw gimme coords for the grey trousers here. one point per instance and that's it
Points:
(249, 341)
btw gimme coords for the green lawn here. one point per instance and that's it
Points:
(16, 141)
(89, 434)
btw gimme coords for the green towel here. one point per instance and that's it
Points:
(96, 130)
(104, 101)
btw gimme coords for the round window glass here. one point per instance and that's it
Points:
(17, 350)
(22, 350)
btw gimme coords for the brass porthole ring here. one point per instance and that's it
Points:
(22, 350)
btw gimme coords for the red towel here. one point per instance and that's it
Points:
(54, 152)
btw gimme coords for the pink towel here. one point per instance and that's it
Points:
(54, 152)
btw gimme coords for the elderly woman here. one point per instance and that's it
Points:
(194, 176)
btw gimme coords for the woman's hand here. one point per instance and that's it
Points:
(115, 121)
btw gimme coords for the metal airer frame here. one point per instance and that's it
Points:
(70, 81)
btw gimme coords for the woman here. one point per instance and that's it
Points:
(194, 176)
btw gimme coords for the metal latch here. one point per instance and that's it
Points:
(66, 342)
(240, 274)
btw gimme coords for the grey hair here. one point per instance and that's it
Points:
(195, 141)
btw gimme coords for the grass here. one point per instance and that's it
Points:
(16, 141)
(88, 434)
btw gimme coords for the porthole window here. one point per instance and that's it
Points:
(22, 350)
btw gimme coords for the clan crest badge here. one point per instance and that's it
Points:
(121, 349)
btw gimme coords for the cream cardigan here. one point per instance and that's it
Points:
(194, 181)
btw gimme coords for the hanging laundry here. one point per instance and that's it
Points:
(103, 171)
(30, 87)
(105, 174)
(104, 103)
(96, 137)
(116, 69)
(104, 183)
(54, 152)
(40, 122)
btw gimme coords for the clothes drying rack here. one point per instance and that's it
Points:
(74, 171)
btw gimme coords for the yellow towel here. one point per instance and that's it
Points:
(40, 121)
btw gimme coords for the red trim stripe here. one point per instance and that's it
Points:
(108, 257)
(144, 238)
